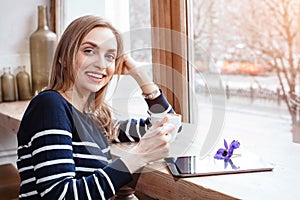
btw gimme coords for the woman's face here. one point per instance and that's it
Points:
(95, 60)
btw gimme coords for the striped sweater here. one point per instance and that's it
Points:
(62, 153)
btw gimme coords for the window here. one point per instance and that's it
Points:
(234, 61)
(205, 57)
(246, 43)
(175, 49)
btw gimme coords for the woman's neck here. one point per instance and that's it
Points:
(75, 98)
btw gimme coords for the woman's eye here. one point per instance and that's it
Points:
(89, 51)
(110, 57)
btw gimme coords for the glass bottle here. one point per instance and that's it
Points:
(23, 84)
(42, 46)
(8, 85)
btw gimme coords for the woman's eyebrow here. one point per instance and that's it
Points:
(90, 43)
(97, 46)
(112, 50)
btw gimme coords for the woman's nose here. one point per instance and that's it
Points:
(101, 62)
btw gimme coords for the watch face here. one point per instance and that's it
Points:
(151, 95)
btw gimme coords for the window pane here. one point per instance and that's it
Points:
(247, 45)
(140, 21)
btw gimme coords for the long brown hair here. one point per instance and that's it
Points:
(62, 74)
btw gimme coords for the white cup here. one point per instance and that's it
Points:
(174, 119)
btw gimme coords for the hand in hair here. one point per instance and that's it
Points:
(138, 71)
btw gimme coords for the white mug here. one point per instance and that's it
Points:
(174, 119)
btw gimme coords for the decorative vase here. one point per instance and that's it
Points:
(8, 85)
(42, 47)
(23, 84)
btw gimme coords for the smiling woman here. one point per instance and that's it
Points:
(65, 132)
(95, 60)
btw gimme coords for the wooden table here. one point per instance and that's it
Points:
(281, 183)
(156, 181)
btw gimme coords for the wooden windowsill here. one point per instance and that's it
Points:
(281, 183)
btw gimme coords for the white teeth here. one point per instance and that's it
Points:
(99, 76)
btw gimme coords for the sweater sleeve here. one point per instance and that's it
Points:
(132, 130)
(47, 162)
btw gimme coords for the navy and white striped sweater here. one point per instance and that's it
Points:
(62, 154)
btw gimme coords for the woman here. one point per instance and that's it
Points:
(64, 135)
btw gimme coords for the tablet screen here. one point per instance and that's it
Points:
(186, 164)
(193, 166)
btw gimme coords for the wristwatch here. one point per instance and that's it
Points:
(152, 95)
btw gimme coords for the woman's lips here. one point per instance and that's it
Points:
(95, 76)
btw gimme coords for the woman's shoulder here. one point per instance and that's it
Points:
(48, 94)
(47, 110)
(49, 100)
(49, 97)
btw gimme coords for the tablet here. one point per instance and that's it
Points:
(189, 166)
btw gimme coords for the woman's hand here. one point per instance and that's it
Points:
(138, 71)
(129, 65)
(154, 145)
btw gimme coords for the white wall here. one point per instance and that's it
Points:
(18, 19)
(72, 9)
(116, 11)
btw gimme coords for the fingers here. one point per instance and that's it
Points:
(160, 153)
(154, 145)
(129, 64)
(150, 146)
(151, 132)
(160, 123)
(167, 128)
(161, 126)
(155, 129)
(164, 131)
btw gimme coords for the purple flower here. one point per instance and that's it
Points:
(233, 166)
(225, 154)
